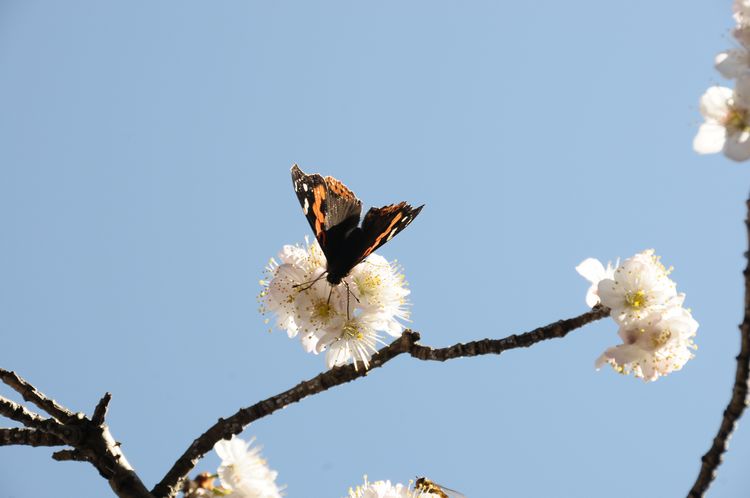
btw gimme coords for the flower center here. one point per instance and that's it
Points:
(636, 299)
(352, 331)
(368, 284)
(322, 311)
(736, 119)
(660, 339)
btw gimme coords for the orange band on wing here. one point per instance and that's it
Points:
(320, 218)
(384, 234)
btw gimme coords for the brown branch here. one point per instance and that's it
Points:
(90, 439)
(68, 456)
(28, 437)
(712, 459)
(101, 409)
(20, 413)
(30, 393)
(555, 330)
(171, 484)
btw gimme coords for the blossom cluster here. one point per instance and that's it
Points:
(656, 331)
(344, 320)
(727, 111)
(243, 474)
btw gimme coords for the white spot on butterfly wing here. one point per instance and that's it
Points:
(304, 187)
(305, 206)
(390, 235)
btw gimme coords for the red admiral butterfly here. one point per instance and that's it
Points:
(333, 212)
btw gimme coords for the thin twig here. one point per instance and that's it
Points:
(68, 456)
(28, 437)
(712, 459)
(101, 409)
(30, 393)
(20, 413)
(170, 485)
(555, 330)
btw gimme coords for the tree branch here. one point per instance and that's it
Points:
(90, 438)
(101, 409)
(171, 484)
(28, 437)
(20, 413)
(712, 459)
(30, 393)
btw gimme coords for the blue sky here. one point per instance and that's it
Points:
(145, 150)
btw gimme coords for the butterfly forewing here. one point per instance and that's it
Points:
(342, 204)
(313, 197)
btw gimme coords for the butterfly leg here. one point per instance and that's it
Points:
(306, 285)
(347, 299)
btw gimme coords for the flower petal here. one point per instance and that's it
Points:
(714, 103)
(591, 269)
(737, 146)
(733, 63)
(709, 139)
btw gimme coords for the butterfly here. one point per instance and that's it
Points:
(426, 486)
(333, 212)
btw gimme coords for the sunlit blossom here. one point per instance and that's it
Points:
(727, 121)
(345, 320)
(243, 472)
(654, 345)
(656, 331)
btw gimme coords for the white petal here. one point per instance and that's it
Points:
(714, 102)
(742, 35)
(591, 269)
(737, 146)
(742, 92)
(733, 63)
(709, 139)
(624, 354)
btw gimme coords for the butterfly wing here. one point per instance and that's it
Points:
(312, 195)
(382, 224)
(329, 206)
(343, 206)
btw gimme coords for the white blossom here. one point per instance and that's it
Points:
(244, 472)
(354, 339)
(382, 293)
(656, 331)
(345, 320)
(640, 285)
(593, 270)
(654, 345)
(727, 121)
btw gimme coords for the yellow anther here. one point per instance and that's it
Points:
(636, 299)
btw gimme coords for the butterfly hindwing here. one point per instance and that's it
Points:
(382, 224)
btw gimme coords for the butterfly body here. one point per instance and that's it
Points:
(333, 212)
